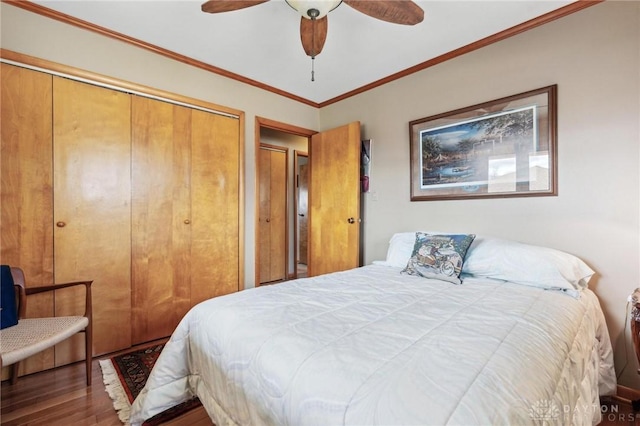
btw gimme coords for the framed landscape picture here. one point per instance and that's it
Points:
(501, 148)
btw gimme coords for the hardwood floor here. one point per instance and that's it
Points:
(60, 397)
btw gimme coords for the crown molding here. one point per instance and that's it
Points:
(510, 32)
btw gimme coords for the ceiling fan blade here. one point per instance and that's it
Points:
(218, 6)
(403, 12)
(313, 34)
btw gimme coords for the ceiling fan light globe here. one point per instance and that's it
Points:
(321, 6)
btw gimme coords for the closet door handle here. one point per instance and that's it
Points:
(268, 220)
(60, 224)
(187, 221)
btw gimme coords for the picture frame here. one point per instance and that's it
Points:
(502, 148)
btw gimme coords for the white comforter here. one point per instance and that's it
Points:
(371, 346)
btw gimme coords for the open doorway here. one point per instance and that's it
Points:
(301, 211)
(293, 141)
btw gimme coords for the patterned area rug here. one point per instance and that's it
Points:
(124, 377)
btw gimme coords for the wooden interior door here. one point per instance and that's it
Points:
(26, 173)
(161, 213)
(334, 200)
(92, 211)
(215, 205)
(272, 220)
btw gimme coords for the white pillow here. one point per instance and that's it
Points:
(527, 264)
(401, 248)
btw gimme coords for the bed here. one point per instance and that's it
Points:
(513, 337)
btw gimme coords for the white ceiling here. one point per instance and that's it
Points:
(262, 42)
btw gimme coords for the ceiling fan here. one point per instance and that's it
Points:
(313, 24)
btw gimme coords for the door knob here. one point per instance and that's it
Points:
(187, 221)
(60, 224)
(351, 220)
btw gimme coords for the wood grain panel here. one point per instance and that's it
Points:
(215, 205)
(273, 213)
(334, 199)
(89, 168)
(160, 217)
(92, 205)
(264, 219)
(26, 233)
(278, 190)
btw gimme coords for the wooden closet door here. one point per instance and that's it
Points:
(264, 219)
(215, 205)
(92, 210)
(161, 217)
(26, 233)
(273, 214)
(278, 223)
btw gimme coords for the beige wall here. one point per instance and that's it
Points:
(593, 57)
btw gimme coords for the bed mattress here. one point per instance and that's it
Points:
(374, 346)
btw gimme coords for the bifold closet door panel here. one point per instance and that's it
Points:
(273, 214)
(26, 171)
(92, 210)
(215, 205)
(161, 217)
(264, 228)
(278, 216)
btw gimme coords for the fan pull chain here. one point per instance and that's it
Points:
(313, 51)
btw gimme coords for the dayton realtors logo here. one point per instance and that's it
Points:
(544, 411)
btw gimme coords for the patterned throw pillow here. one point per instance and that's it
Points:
(439, 256)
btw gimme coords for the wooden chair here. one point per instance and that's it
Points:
(33, 335)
